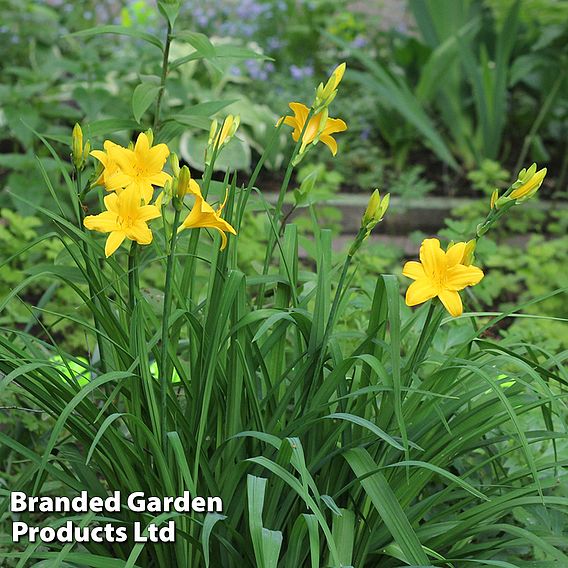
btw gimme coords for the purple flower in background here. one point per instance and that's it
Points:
(296, 72)
(365, 133)
(255, 70)
(235, 70)
(201, 17)
(274, 43)
(299, 73)
(248, 30)
(359, 42)
(249, 9)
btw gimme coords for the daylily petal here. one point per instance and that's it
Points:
(140, 232)
(330, 143)
(147, 212)
(460, 276)
(104, 222)
(290, 121)
(113, 241)
(157, 157)
(334, 125)
(194, 188)
(124, 158)
(420, 291)
(452, 302)
(414, 270)
(142, 145)
(117, 181)
(454, 255)
(223, 238)
(101, 156)
(111, 202)
(300, 111)
(432, 257)
(159, 178)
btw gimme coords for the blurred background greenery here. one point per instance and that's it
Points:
(445, 100)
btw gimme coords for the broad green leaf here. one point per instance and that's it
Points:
(142, 97)
(120, 30)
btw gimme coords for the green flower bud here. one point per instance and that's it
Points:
(174, 164)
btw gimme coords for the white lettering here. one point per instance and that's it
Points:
(18, 501)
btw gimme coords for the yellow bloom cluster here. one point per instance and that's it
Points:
(130, 174)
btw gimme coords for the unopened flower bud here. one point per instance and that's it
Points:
(468, 254)
(326, 94)
(230, 125)
(375, 211)
(174, 164)
(150, 135)
(218, 138)
(165, 195)
(183, 182)
(527, 184)
(77, 150)
(212, 131)
(494, 197)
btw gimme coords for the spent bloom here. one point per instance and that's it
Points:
(125, 218)
(319, 127)
(203, 216)
(440, 274)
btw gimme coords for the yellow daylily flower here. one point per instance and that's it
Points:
(203, 216)
(140, 167)
(125, 218)
(528, 183)
(440, 274)
(110, 167)
(315, 127)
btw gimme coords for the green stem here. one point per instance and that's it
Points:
(246, 194)
(278, 209)
(165, 378)
(163, 78)
(90, 273)
(133, 279)
(424, 335)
